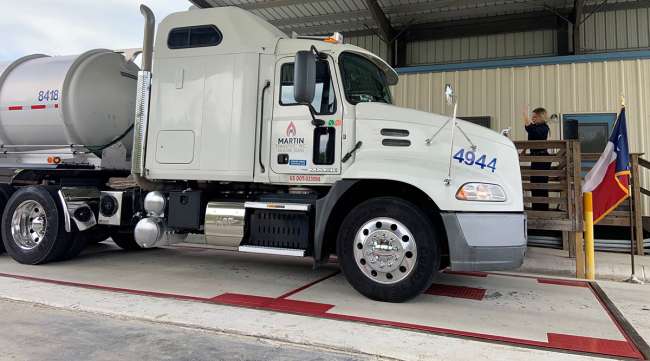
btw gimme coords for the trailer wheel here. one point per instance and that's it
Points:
(126, 241)
(81, 239)
(388, 249)
(33, 231)
(5, 193)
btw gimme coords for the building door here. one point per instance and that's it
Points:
(592, 130)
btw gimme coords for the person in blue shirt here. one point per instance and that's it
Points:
(538, 130)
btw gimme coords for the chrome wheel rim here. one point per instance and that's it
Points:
(385, 250)
(28, 224)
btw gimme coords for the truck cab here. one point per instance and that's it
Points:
(250, 140)
(306, 130)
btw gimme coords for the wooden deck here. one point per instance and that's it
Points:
(564, 200)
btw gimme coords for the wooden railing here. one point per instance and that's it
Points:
(564, 185)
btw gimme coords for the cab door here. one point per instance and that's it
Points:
(302, 152)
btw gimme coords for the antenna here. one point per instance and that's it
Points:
(450, 97)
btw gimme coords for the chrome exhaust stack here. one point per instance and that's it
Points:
(149, 29)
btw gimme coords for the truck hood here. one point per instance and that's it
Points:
(394, 147)
(400, 115)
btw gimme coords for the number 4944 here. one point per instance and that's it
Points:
(470, 158)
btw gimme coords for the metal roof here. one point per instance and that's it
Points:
(325, 16)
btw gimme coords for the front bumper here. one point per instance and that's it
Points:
(485, 241)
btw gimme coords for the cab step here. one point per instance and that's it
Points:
(273, 250)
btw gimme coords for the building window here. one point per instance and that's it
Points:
(591, 129)
(324, 99)
(194, 37)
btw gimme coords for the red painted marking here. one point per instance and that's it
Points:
(237, 299)
(466, 273)
(302, 288)
(107, 288)
(40, 106)
(614, 320)
(593, 345)
(275, 304)
(469, 293)
(555, 341)
(554, 281)
(16, 107)
(585, 344)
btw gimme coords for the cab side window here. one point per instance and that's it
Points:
(194, 37)
(324, 98)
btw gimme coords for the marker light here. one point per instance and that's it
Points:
(482, 192)
(336, 38)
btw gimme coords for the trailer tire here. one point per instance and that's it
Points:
(33, 231)
(126, 241)
(5, 193)
(82, 239)
(388, 249)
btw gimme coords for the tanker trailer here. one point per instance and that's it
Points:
(66, 123)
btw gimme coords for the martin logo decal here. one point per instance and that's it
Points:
(291, 130)
(292, 143)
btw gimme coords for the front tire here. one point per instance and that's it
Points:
(33, 231)
(388, 249)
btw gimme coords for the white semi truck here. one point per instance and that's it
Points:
(256, 142)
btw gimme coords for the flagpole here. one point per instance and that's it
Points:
(633, 278)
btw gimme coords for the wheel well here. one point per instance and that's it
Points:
(366, 189)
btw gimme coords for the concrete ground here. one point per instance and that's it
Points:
(609, 265)
(36, 332)
(168, 298)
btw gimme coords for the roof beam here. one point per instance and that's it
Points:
(336, 17)
(383, 24)
(482, 26)
(274, 4)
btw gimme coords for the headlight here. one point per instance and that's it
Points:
(483, 192)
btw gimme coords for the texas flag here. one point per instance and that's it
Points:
(609, 179)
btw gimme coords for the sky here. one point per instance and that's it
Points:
(66, 27)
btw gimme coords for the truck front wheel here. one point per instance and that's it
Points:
(388, 249)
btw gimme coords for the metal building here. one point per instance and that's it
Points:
(573, 57)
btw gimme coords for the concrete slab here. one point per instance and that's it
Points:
(190, 271)
(549, 313)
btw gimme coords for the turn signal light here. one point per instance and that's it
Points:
(482, 192)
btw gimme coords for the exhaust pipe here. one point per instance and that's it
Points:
(149, 29)
(142, 107)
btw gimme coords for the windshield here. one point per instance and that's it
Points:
(363, 81)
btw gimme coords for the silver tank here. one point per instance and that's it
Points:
(86, 99)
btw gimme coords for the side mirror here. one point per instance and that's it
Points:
(449, 94)
(304, 77)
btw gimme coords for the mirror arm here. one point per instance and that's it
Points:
(315, 121)
(319, 55)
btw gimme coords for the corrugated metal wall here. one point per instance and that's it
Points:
(601, 32)
(495, 46)
(504, 94)
(369, 42)
(616, 30)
